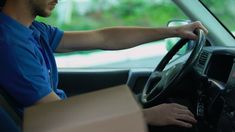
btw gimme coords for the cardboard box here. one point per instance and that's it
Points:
(109, 110)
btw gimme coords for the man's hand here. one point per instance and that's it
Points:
(169, 114)
(187, 31)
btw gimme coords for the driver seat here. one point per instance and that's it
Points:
(10, 121)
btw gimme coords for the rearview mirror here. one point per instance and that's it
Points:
(170, 42)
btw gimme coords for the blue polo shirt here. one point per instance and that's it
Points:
(28, 69)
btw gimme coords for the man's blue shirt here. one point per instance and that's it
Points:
(26, 57)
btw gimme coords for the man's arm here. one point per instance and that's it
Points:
(122, 37)
(49, 98)
(111, 38)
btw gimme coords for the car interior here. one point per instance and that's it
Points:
(203, 79)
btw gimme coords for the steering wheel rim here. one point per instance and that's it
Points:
(164, 86)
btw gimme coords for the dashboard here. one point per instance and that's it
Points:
(217, 63)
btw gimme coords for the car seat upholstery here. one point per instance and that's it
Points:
(10, 121)
(7, 124)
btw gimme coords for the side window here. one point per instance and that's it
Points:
(94, 14)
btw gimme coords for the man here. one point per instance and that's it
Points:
(28, 64)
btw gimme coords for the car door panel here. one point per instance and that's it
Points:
(81, 81)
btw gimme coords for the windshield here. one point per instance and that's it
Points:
(224, 10)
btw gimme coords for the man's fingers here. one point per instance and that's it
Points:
(183, 111)
(186, 117)
(199, 25)
(180, 109)
(181, 123)
(179, 106)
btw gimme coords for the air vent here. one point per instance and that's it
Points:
(203, 58)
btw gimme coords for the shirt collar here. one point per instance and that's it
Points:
(35, 31)
(5, 19)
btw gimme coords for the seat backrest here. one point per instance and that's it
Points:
(7, 124)
(8, 112)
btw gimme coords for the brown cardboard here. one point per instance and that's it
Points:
(109, 110)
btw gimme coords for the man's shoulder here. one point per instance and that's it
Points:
(13, 32)
(12, 38)
(40, 25)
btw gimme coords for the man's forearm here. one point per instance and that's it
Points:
(127, 37)
(113, 38)
(51, 97)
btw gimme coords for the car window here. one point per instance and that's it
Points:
(95, 14)
(224, 11)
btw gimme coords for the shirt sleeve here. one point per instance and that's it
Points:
(23, 77)
(52, 34)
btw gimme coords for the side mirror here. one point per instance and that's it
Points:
(170, 42)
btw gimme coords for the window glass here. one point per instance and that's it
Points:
(224, 10)
(94, 14)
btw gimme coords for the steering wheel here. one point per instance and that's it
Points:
(162, 83)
